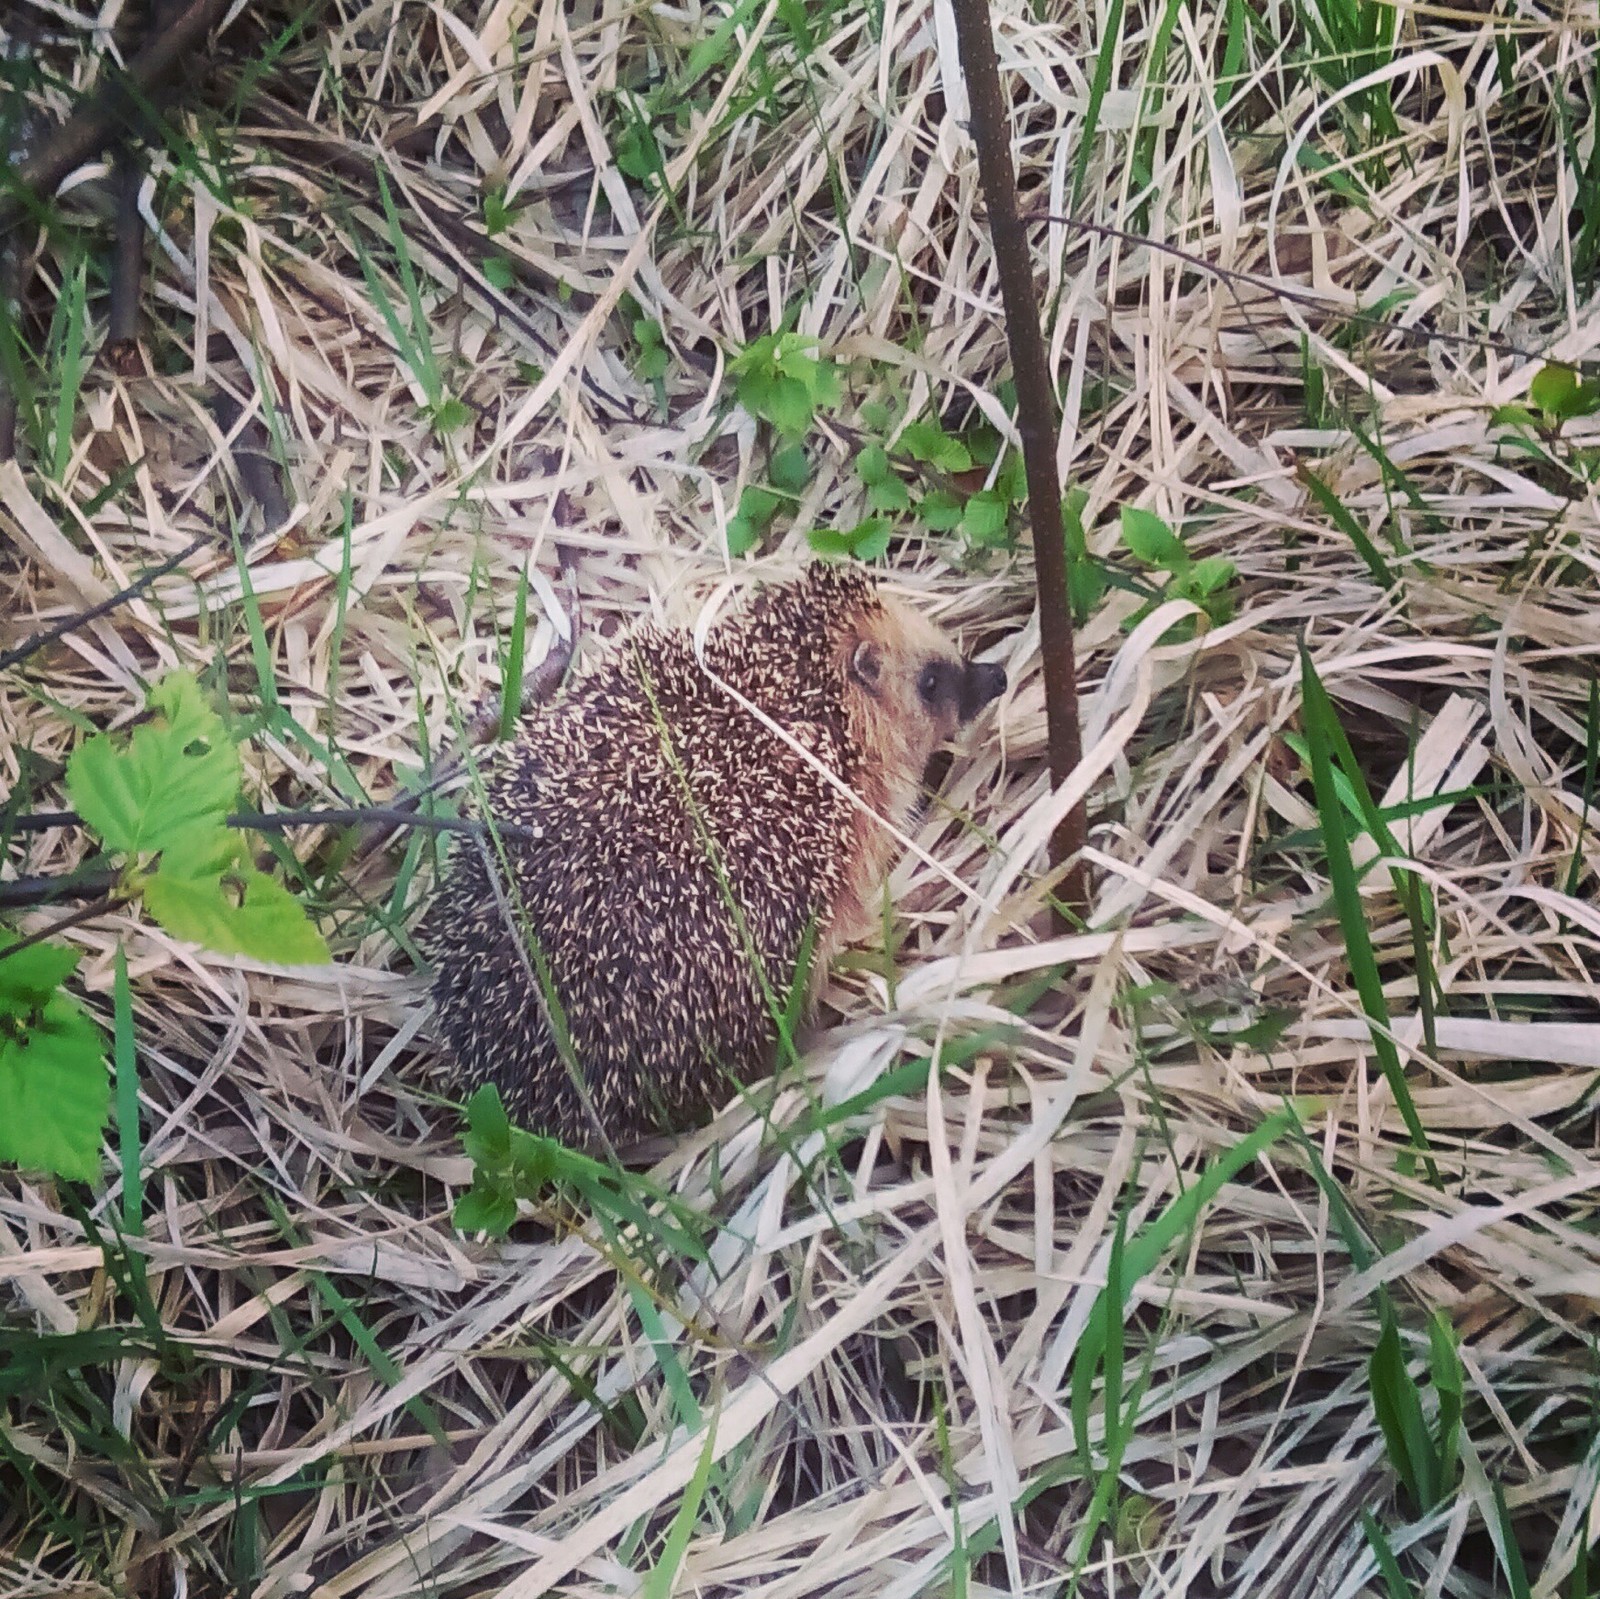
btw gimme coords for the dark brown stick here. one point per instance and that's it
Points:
(127, 262)
(11, 311)
(1036, 422)
(84, 134)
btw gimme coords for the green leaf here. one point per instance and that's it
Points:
(870, 540)
(986, 520)
(742, 535)
(1142, 1254)
(1086, 584)
(1208, 575)
(55, 1092)
(927, 441)
(889, 495)
(1151, 540)
(829, 543)
(872, 465)
(488, 1136)
(450, 414)
(535, 1162)
(500, 273)
(758, 506)
(652, 359)
(1517, 416)
(485, 1209)
(497, 215)
(29, 978)
(755, 390)
(941, 511)
(241, 912)
(1398, 1408)
(790, 469)
(790, 406)
(1553, 389)
(178, 773)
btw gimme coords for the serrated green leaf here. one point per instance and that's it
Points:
(790, 469)
(755, 390)
(534, 1162)
(758, 506)
(872, 464)
(869, 541)
(178, 773)
(829, 543)
(1208, 575)
(488, 1210)
(1151, 540)
(450, 414)
(1518, 416)
(823, 384)
(55, 1093)
(1086, 583)
(889, 496)
(927, 441)
(243, 912)
(29, 978)
(488, 1135)
(986, 519)
(497, 214)
(941, 511)
(1011, 481)
(790, 407)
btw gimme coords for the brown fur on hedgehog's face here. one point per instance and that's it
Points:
(909, 691)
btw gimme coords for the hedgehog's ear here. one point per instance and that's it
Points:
(866, 664)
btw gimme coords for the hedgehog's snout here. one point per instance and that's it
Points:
(981, 682)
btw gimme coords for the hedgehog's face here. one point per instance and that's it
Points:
(913, 687)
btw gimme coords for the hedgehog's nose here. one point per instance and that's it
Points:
(982, 681)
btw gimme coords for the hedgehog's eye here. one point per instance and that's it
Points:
(929, 684)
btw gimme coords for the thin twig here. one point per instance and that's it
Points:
(1037, 423)
(86, 913)
(24, 893)
(282, 821)
(82, 618)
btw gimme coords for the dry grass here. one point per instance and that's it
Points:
(342, 1396)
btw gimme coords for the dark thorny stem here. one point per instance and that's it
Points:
(1036, 423)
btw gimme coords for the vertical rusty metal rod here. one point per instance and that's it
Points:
(1037, 422)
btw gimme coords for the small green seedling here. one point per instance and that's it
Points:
(1426, 1458)
(510, 1164)
(784, 382)
(1205, 582)
(160, 802)
(1556, 396)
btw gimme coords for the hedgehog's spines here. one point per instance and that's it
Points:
(627, 886)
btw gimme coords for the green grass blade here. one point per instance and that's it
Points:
(663, 1577)
(516, 650)
(1322, 730)
(1145, 1250)
(1098, 87)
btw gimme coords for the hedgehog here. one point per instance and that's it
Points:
(683, 840)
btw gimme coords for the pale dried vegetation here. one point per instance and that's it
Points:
(866, 1387)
